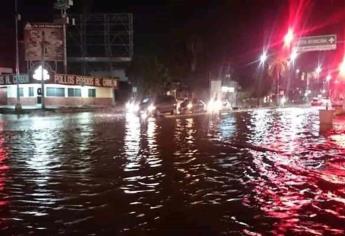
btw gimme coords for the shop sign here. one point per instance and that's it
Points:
(85, 80)
(13, 79)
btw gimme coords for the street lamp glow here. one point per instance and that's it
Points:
(293, 55)
(342, 68)
(297, 71)
(263, 57)
(318, 69)
(328, 78)
(288, 38)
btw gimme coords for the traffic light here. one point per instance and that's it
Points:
(39, 91)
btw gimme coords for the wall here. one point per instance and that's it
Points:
(3, 96)
(104, 96)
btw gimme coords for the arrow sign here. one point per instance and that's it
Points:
(317, 43)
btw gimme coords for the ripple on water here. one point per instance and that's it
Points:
(259, 172)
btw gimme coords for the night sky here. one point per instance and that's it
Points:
(231, 32)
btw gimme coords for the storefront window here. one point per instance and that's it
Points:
(74, 92)
(31, 91)
(21, 92)
(55, 92)
(92, 93)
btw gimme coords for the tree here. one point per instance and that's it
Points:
(262, 86)
(276, 70)
(149, 75)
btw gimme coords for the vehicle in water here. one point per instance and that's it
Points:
(165, 104)
(191, 106)
(152, 106)
(316, 102)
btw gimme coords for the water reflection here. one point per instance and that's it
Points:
(132, 142)
(288, 184)
(227, 127)
(143, 176)
(263, 172)
(42, 160)
(3, 175)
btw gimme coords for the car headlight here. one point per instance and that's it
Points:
(151, 108)
(132, 107)
(135, 107)
(214, 105)
(189, 106)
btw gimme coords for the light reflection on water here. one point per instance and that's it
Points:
(3, 172)
(265, 171)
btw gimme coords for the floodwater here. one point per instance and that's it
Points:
(263, 172)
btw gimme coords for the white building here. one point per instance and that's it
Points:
(61, 90)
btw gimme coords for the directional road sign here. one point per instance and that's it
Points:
(317, 43)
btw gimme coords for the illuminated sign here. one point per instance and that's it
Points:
(85, 80)
(317, 43)
(13, 79)
(62, 79)
(37, 75)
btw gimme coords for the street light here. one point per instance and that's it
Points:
(288, 38)
(342, 68)
(263, 57)
(328, 78)
(293, 55)
(318, 69)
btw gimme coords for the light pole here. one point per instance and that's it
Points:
(342, 68)
(293, 57)
(64, 17)
(42, 70)
(263, 59)
(18, 106)
(328, 80)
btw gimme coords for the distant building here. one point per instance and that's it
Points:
(99, 49)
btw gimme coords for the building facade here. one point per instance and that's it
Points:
(60, 91)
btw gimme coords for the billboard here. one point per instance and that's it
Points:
(46, 36)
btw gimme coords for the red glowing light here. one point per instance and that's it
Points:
(342, 68)
(288, 38)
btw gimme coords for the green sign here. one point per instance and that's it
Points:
(317, 43)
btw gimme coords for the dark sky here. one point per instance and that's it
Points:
(232, 31)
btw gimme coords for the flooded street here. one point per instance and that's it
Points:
(265, 172)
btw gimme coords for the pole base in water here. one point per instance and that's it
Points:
(326, 119)
(18, 107)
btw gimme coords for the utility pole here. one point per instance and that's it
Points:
(64, 17)
(63, 5)
(18, 106)
(42, 70)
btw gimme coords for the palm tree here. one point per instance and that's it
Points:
(276, 70)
